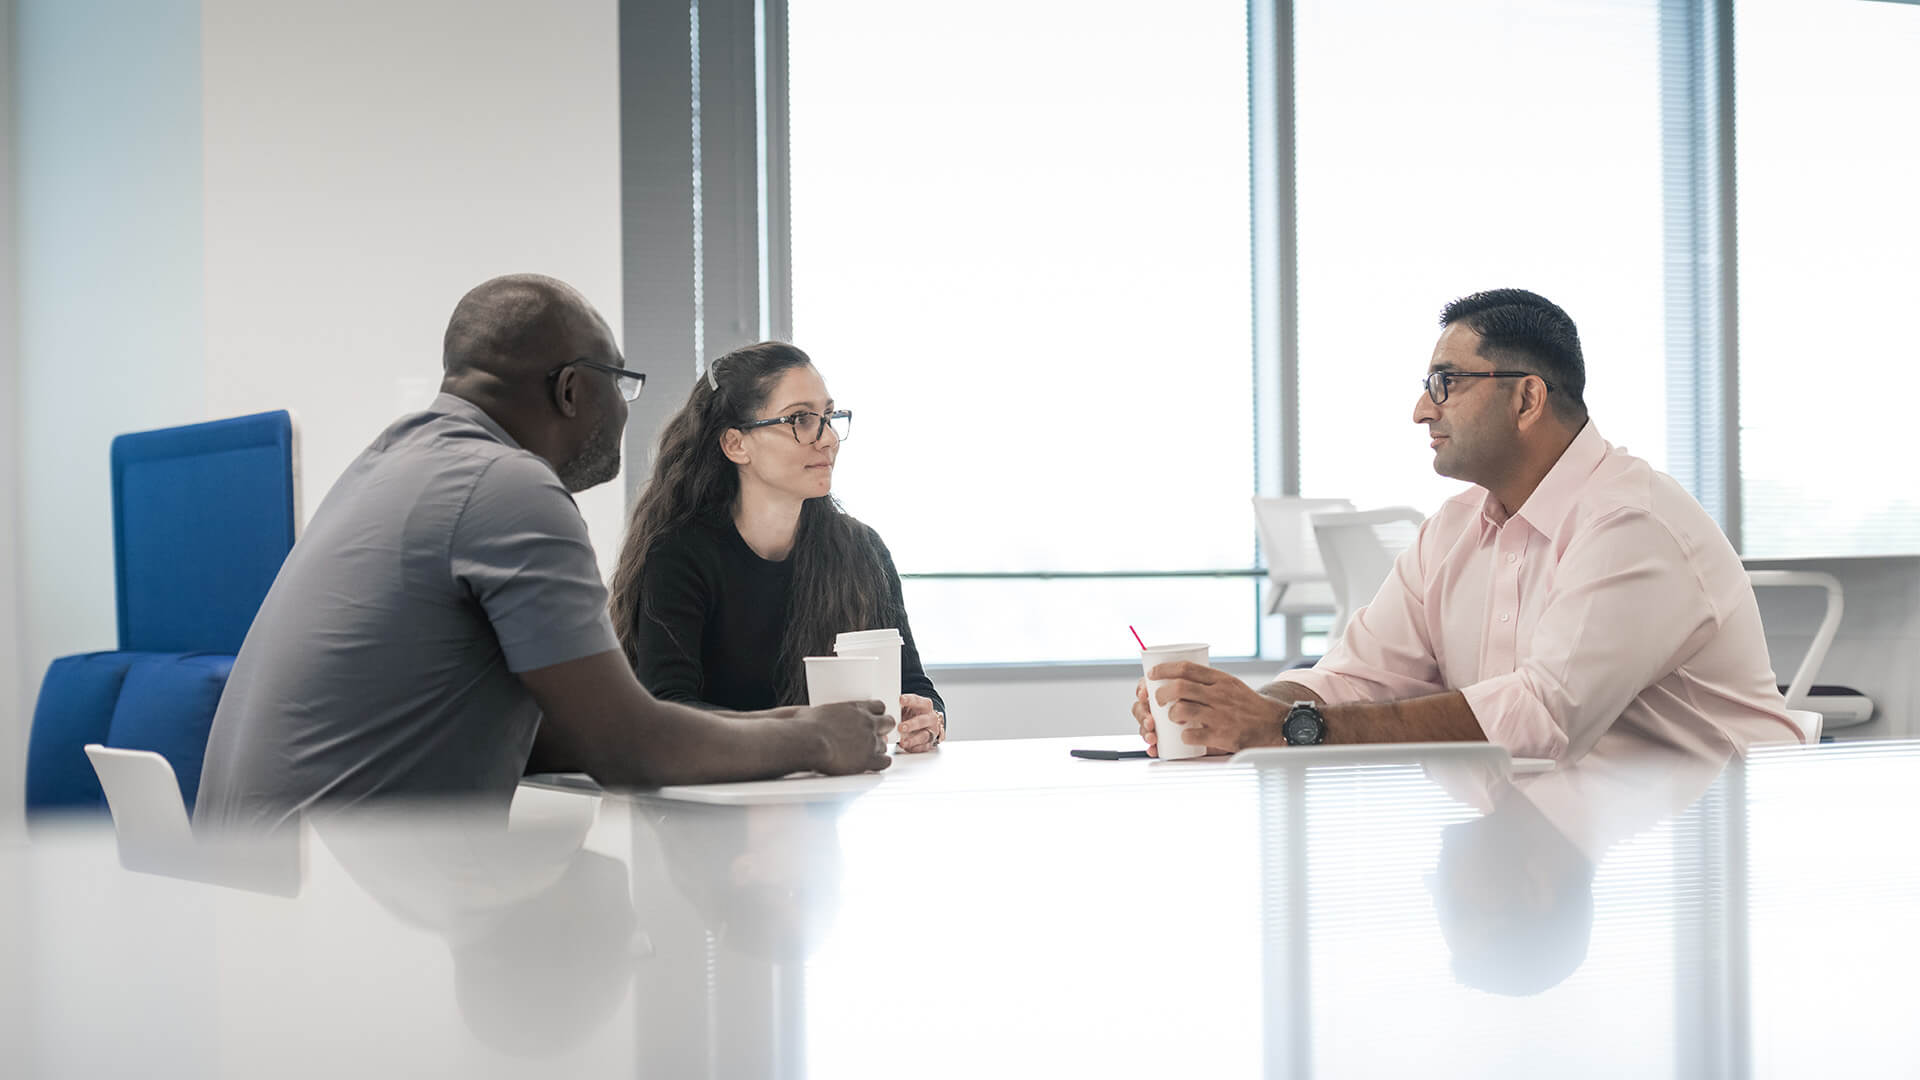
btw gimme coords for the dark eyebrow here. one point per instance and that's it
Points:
(1431, 368)
(807, 405)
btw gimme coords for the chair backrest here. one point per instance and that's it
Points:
(148, 817)
(1358, 548)
(203, 516)
(154, 831)
(1799, 691)
(1296, 576)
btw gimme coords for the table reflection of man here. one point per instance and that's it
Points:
(541, 931)
(1513, 889)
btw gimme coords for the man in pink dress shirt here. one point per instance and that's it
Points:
(1572, 590)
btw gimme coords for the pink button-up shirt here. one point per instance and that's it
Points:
(1610, 599)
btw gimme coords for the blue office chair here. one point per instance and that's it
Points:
(203, 516)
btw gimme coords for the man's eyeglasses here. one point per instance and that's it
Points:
(807, 425)
(1437, 388)
(630, 382)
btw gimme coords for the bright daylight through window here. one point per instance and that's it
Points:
(1020, 255)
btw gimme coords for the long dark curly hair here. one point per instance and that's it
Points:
(840, 576)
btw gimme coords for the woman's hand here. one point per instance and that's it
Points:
(921, 725)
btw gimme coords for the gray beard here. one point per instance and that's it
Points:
(596, 463)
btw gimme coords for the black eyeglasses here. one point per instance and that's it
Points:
(629, 390)
(1437, 388)
(807, 426)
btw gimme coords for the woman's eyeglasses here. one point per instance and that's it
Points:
(808, 425)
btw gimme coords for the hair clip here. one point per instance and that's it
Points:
(712, 382)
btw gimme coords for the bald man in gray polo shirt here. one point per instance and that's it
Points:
(445, 597)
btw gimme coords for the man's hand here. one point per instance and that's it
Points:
(1213, 708)
(1143, 715)
(854, 734)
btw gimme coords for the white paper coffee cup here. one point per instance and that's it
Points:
(839, 678)
(1172, 746)
(884, 647)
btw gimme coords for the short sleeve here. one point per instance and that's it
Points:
(521, 550)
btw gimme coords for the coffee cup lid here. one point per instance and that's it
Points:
(855, 638)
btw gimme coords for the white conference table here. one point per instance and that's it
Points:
(1005, 909)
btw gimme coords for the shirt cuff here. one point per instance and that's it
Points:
(558, 648)
(1332, 688)
(1513, 716)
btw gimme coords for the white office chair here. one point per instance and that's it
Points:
(1800, 691)
(155, 835)
(1296, 578)
(1358, 549)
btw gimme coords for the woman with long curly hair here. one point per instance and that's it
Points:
(739, 562)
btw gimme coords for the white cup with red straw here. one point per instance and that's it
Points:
(1171, 746)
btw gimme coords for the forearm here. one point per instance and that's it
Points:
(1434, 718)
(1444, 717)
(668, 743)
(599, 719)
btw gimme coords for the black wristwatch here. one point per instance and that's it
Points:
(1304, 726)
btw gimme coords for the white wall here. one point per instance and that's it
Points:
(107, 159)
(240, 205)
(367, 163)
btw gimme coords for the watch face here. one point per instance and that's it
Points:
(1302, 729)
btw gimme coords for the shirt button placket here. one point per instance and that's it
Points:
(1508, 598)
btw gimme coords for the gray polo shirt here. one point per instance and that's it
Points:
(382, 661)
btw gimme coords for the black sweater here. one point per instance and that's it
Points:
(712, 614)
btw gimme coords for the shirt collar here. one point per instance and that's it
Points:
(455, 405)
(1548, 507)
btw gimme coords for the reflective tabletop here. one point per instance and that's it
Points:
(1006, 909)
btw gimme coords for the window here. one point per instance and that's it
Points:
(1449, 148)
(1021, 256)
(1827, 97)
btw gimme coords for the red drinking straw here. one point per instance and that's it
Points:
(1136, 637)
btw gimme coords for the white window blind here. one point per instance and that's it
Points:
(1449, 148)
(1827, 106)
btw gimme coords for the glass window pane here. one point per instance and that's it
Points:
(1021, 255)
(1449, 148)
(1827, 94)
(971, 621)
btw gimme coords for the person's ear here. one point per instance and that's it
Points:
(1533, 402)
(733, 443)
(566, 391)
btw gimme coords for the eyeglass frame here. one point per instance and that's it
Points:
(792, 421)
(639, 377)
(1447, 373)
